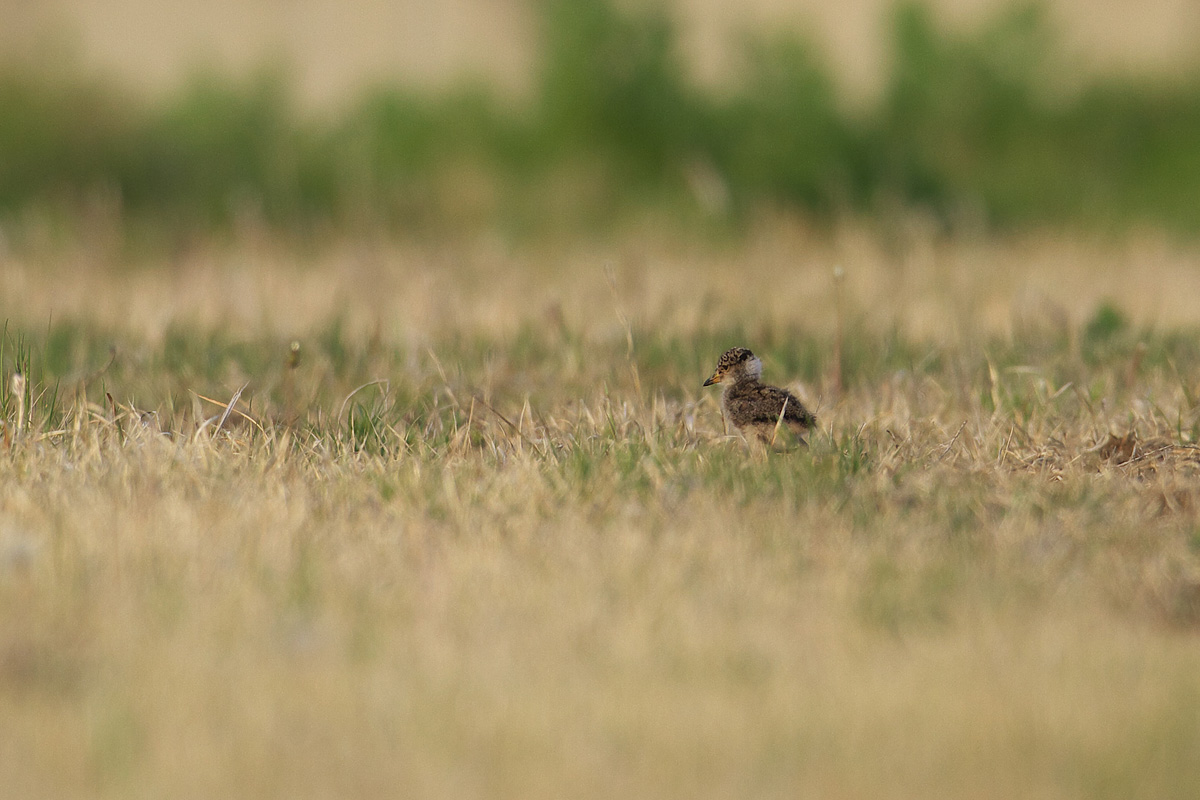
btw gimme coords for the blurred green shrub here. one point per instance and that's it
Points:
(981, 122)
(781, 137)
(613, 86)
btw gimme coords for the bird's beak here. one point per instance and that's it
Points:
(714, 379)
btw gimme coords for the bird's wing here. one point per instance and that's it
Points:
(794, 413)
(762, 405)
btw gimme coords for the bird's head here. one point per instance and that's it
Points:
(736, 364)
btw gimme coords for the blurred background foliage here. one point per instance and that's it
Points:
(978, 129)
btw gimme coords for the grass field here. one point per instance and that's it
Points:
(484, 535)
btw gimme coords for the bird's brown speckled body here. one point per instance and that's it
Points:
(753, 407)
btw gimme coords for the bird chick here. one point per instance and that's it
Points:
(753, 407)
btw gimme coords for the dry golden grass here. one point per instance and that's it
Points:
(530, 564)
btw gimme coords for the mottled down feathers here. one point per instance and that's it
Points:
(753, 407)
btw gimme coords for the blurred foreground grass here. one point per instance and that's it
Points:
(990, 129)
(486, 537)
